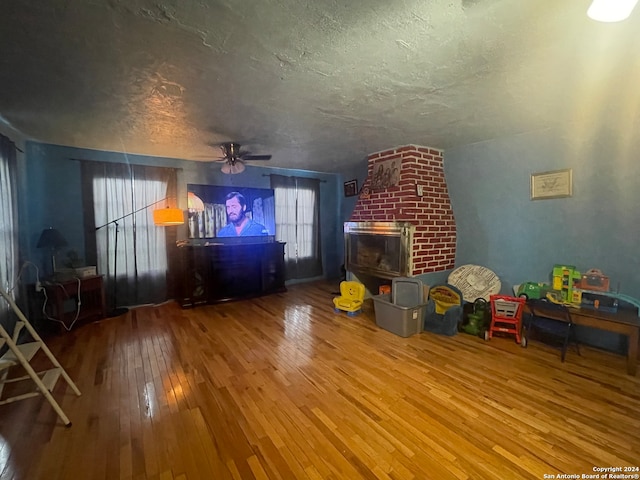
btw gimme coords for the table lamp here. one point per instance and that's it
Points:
(52, 239)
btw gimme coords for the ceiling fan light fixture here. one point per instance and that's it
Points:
(611, 10)
(237, 167)
(234, 157)
(233, 167)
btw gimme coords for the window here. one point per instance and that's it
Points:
(8, 220)
(130, 250)
(297, 224)
(141, 245)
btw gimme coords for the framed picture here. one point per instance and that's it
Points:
(351, 188)
(554, 184)
(385, 174)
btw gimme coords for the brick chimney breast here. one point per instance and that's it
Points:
(434, 240)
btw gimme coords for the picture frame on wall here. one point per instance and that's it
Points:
(386, 174)
(351, 188)
(552, 184)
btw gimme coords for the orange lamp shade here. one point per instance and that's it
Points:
(168, 216)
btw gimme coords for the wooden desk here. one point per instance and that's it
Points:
(88, 292)
(623, 322)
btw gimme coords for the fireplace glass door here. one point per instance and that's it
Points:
(380, 249)
(377, 252)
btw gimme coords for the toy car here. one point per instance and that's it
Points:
(533, 290)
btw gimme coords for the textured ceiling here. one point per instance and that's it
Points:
(318, 84)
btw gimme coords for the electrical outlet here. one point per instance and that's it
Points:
(38, 287)
(419, 190)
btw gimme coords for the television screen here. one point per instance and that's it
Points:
(231, 214)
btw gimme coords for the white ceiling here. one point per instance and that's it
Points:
(318, 84)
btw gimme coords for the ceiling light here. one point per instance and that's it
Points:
(611, 10)
(233, 167)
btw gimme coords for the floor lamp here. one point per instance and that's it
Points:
(162, 217)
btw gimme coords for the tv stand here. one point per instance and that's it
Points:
(218, 273)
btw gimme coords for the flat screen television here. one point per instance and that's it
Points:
(228, 214)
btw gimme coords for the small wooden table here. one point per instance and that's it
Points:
(623, 322)
(87, 293)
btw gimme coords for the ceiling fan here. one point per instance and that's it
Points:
(234, 158)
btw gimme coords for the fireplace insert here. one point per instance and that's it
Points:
(379, 249)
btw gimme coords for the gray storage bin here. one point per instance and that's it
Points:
(407, 292)
(403, 321)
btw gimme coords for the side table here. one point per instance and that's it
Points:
(85, 295)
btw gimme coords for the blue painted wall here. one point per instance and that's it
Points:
(51, 195)
(347, 204)
(358, 173)
(520, 239)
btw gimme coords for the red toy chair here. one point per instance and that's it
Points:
(506, 315)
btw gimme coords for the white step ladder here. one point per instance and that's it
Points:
(21, 354)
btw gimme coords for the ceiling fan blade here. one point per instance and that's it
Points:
(256, 157)
(210, 158)
(232, 156)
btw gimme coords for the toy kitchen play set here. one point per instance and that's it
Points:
(588, 290)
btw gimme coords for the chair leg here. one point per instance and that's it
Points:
(565, 344)
(526, 327)
(575, 339)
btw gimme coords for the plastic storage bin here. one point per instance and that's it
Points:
(403, 321)
(407, 292)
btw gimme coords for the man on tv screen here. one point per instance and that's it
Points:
(239, 224)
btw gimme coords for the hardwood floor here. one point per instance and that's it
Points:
(281, 387)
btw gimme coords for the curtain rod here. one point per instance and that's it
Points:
(292, 176)
(126, 163)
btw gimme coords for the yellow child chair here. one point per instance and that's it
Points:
(351, 298)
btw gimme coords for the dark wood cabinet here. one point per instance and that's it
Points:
(216, 273)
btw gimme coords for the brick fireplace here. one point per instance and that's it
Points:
(433, 246)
